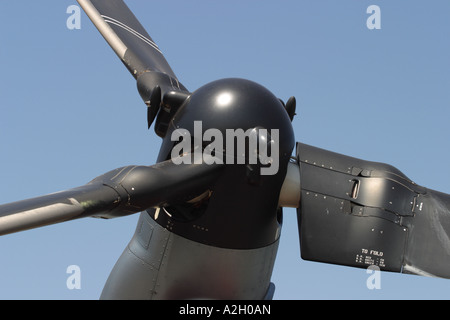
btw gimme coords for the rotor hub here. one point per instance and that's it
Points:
(249, 118)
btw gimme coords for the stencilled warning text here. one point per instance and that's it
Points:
(370, 257)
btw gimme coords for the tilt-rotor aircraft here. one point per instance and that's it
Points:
(211, 208)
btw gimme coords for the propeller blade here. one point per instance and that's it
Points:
(135, 48)
(127, 37)
(359, 213)
(120, 192)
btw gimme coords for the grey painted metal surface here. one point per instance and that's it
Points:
(158, 264)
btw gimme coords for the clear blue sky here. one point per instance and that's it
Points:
(70, 111)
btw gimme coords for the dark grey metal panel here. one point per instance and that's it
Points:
(378, 192)
(428, 249)
(332, 231)
(361, 213)
(158, 264)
